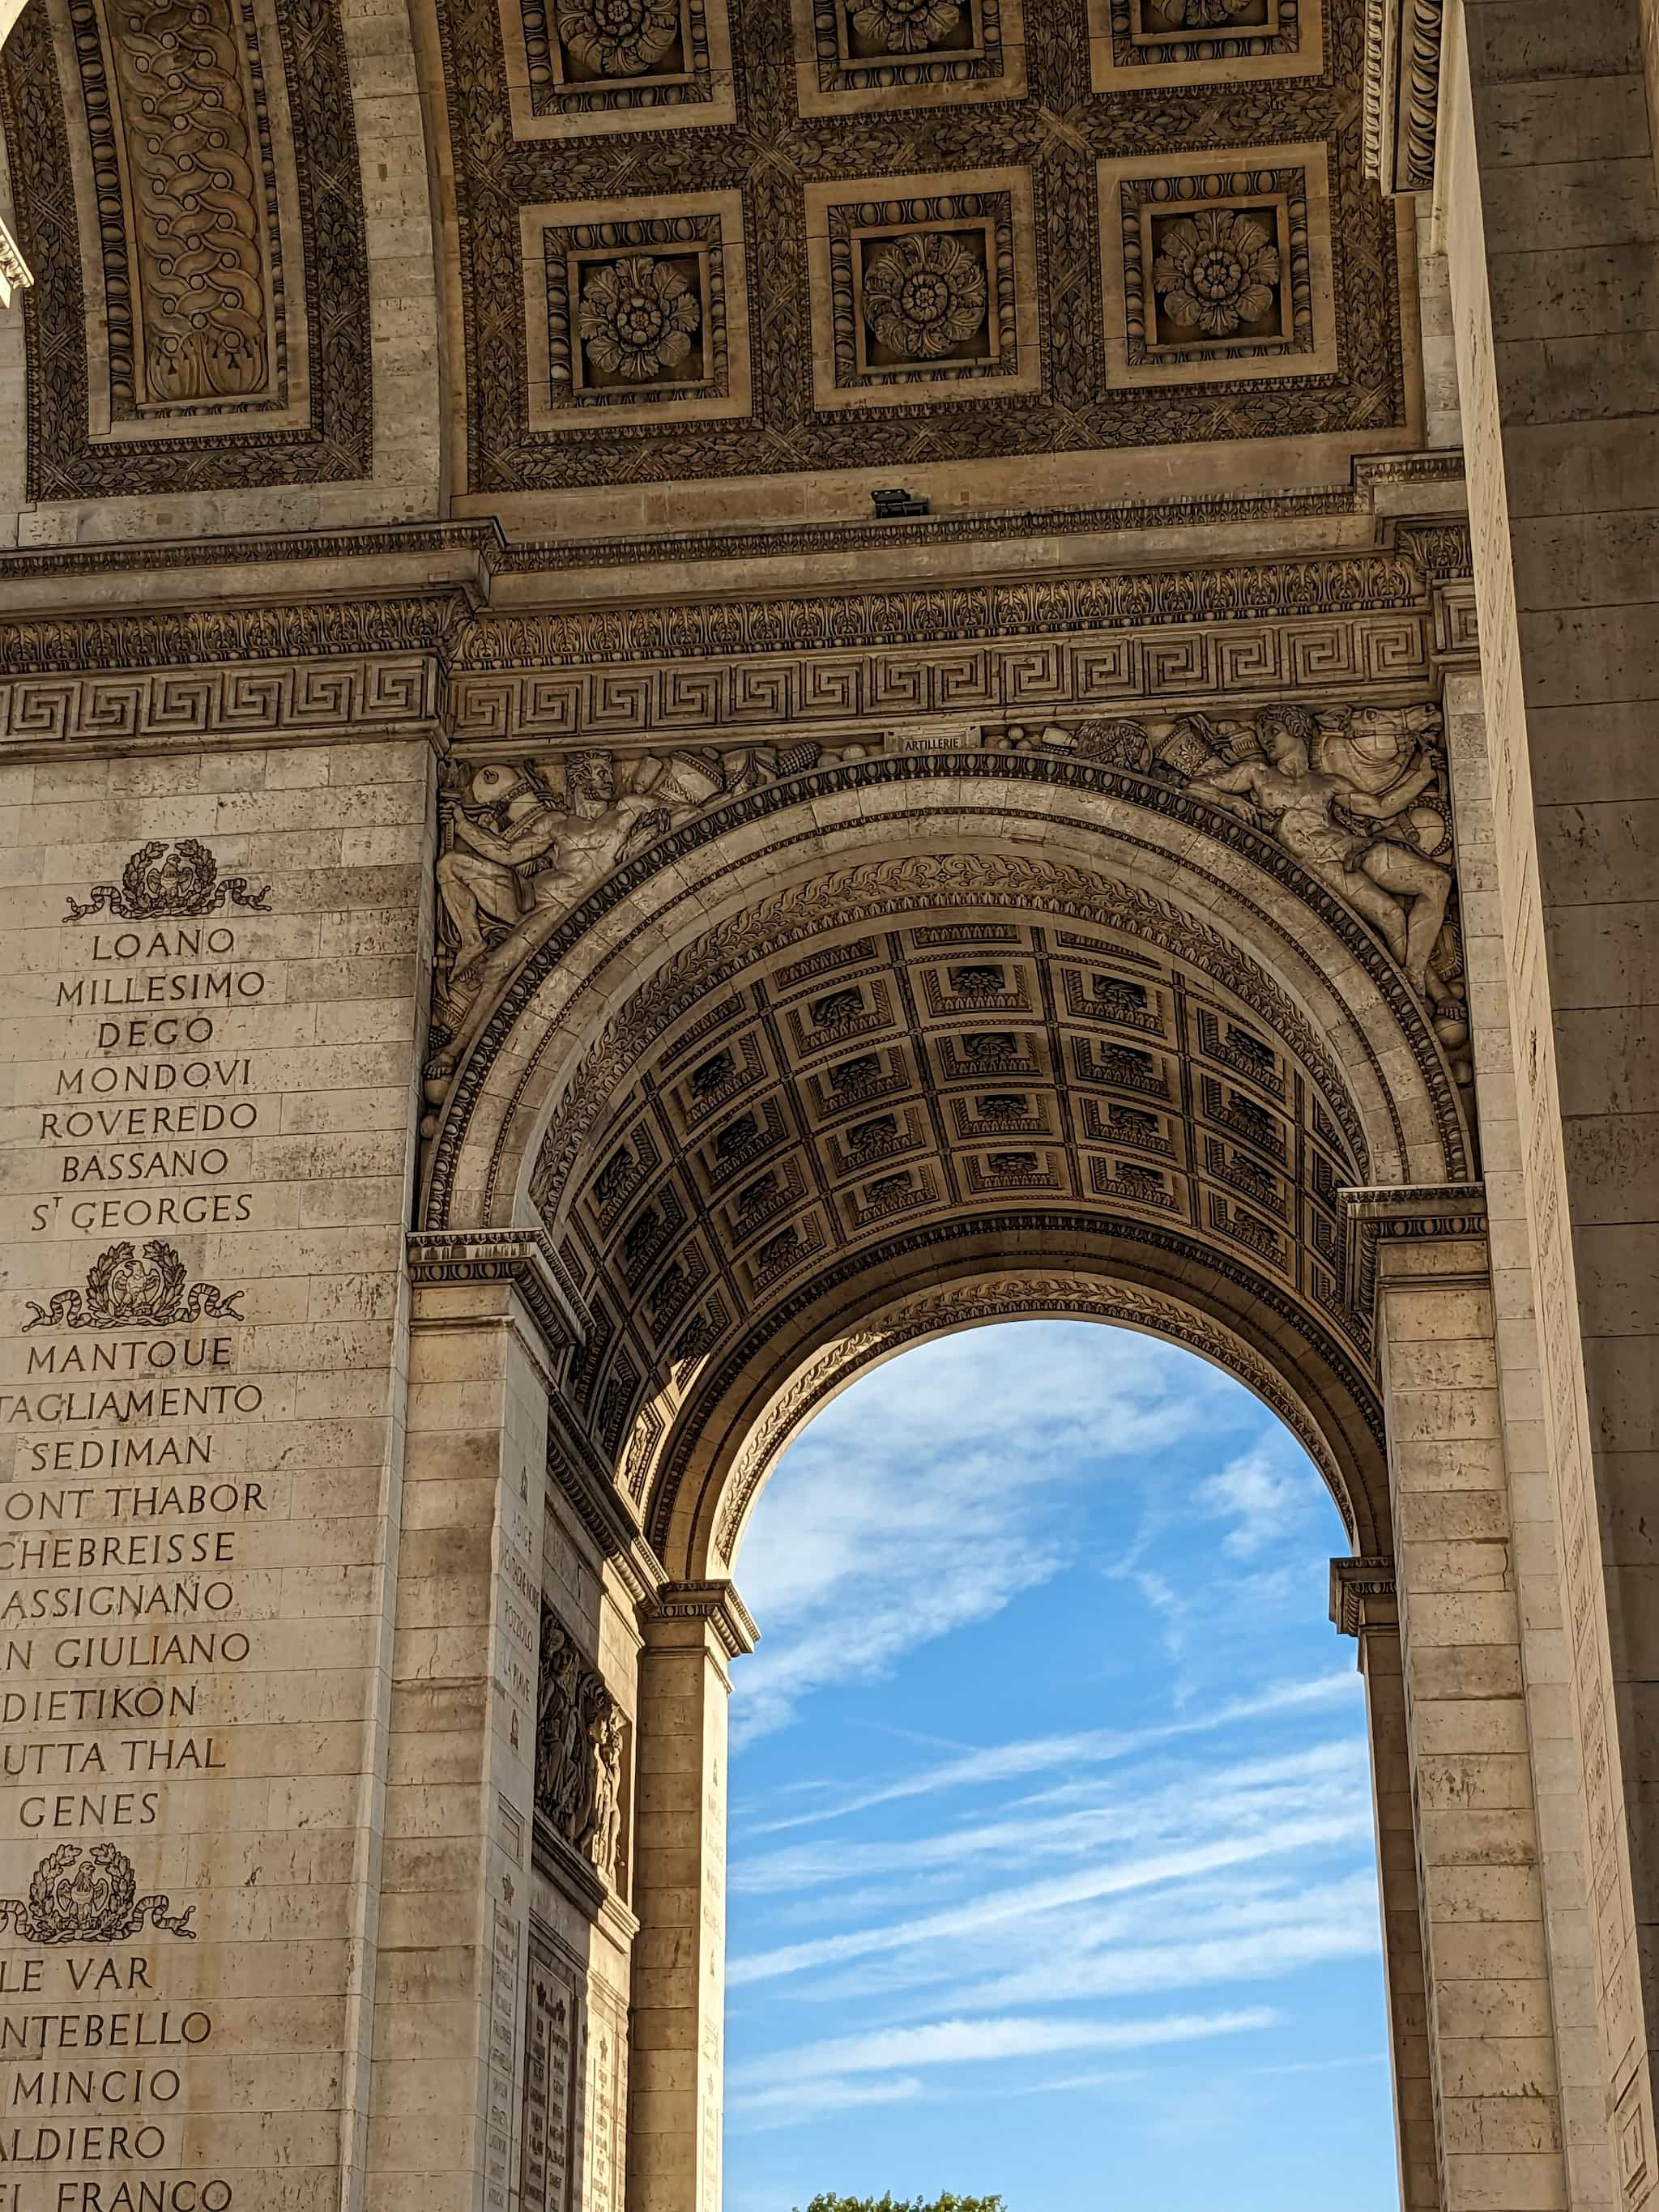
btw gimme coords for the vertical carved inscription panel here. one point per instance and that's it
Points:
(553, 2010)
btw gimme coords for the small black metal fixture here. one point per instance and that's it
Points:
(888, 504)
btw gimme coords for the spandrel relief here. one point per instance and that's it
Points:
(523, 844)
(1356, 795)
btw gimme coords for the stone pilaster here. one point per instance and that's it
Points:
(487, 1314)
(1551, 220)
(692, 1632)
(1489, 2021)
(1363, 1605)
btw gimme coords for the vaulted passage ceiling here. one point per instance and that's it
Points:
(699, 240)
(1001, 1083)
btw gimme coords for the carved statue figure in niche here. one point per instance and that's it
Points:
(603, 1839)
(581, 1739)
(1334, 798)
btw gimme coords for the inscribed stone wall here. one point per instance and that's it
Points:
(210, 996)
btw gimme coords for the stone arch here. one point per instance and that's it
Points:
(871, 1047)
(736, 1454)
(1162, 857)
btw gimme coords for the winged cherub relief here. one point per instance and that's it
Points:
(523, 844)
(1357, 795)
(1345, 797)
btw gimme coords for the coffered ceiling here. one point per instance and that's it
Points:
(703, 242)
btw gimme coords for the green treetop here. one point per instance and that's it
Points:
(892, 2203)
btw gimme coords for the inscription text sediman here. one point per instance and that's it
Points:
(137, 1585)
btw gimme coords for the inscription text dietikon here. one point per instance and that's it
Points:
(138, 1591)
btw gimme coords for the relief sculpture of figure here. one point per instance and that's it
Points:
(523, 845)
(1342, 800)
(581, 1739)
(602, 1840)
(517, 860)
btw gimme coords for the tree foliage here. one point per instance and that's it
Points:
(948, 2202)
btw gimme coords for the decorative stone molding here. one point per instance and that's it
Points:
(484, 545)
(1434, 1213)
(753, 668)
(212, 331)
(1363, 1595)
(525, 1259)
(717, 1604)
(1403, 39)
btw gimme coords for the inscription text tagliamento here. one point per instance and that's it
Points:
(139, 1587)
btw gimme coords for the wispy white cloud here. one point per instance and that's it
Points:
(1035, 1755)
(932, 1494)
(787, 2105)
(1080, 1818)
(956, 2042)
(1030, 1899)
(1260, 1495)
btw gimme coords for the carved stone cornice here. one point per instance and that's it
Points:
(197, 637)
(747, 665)
(1284, 585)
(1418, 1212)
(715, 1603)
(484, 546)
(1421, 1214)
(523, 1258)
(1403, 39)
(601, 1509)
(1363, 1595)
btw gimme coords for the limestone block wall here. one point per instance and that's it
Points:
(1551, 224)
(212, 989)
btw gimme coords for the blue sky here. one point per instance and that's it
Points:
(1051, 1864)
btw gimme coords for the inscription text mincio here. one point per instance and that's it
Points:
(134, 1596)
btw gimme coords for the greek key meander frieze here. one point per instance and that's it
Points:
(1365, 623)
(204, 153)
(901, 110)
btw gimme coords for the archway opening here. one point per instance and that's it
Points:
(1053, 1864)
